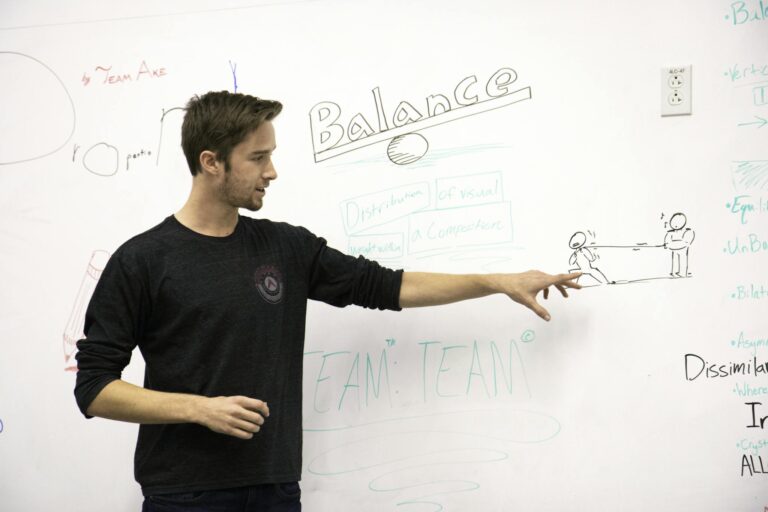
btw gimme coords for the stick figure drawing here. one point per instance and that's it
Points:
(582, 259)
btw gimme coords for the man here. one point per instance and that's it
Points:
(216, 303)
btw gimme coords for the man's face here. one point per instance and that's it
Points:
(251, 169)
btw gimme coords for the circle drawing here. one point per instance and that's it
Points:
(408, 148)
(101, 159)
(38, 112)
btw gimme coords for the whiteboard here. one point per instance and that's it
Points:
(441, 136)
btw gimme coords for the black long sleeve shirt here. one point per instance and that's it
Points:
(219, 316)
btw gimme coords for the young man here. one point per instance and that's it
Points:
(216, 303)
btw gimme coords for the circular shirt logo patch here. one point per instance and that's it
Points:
(269, 282)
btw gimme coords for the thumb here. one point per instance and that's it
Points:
(539, 310)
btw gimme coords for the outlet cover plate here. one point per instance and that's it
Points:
(676, 91)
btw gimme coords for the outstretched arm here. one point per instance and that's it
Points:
(431, 289)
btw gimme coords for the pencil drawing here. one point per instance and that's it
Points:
(331, 138)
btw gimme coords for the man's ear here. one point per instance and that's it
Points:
(209, 163)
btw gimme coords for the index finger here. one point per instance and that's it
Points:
(254, 405)
(251, 416)
(567, 279)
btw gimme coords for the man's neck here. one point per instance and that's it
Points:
(208, 218)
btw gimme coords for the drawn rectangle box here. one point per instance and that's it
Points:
(473, 189)
(761, 95)
(371, 210)
(750, 175)
(452, 228)
(377, 247)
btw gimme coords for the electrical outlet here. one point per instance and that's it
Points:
(676, 91)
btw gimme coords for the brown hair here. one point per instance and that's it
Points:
(219, 121)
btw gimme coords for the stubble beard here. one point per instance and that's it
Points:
(238, 200)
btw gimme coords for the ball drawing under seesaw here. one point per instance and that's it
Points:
(408, 148)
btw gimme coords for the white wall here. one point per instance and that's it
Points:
(592, 411)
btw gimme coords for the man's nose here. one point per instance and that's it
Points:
(271, 173)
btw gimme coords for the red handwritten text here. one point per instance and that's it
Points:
(106, 75)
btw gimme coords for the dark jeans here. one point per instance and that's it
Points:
(258, 498)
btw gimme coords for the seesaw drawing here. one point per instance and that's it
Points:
(331, 139)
